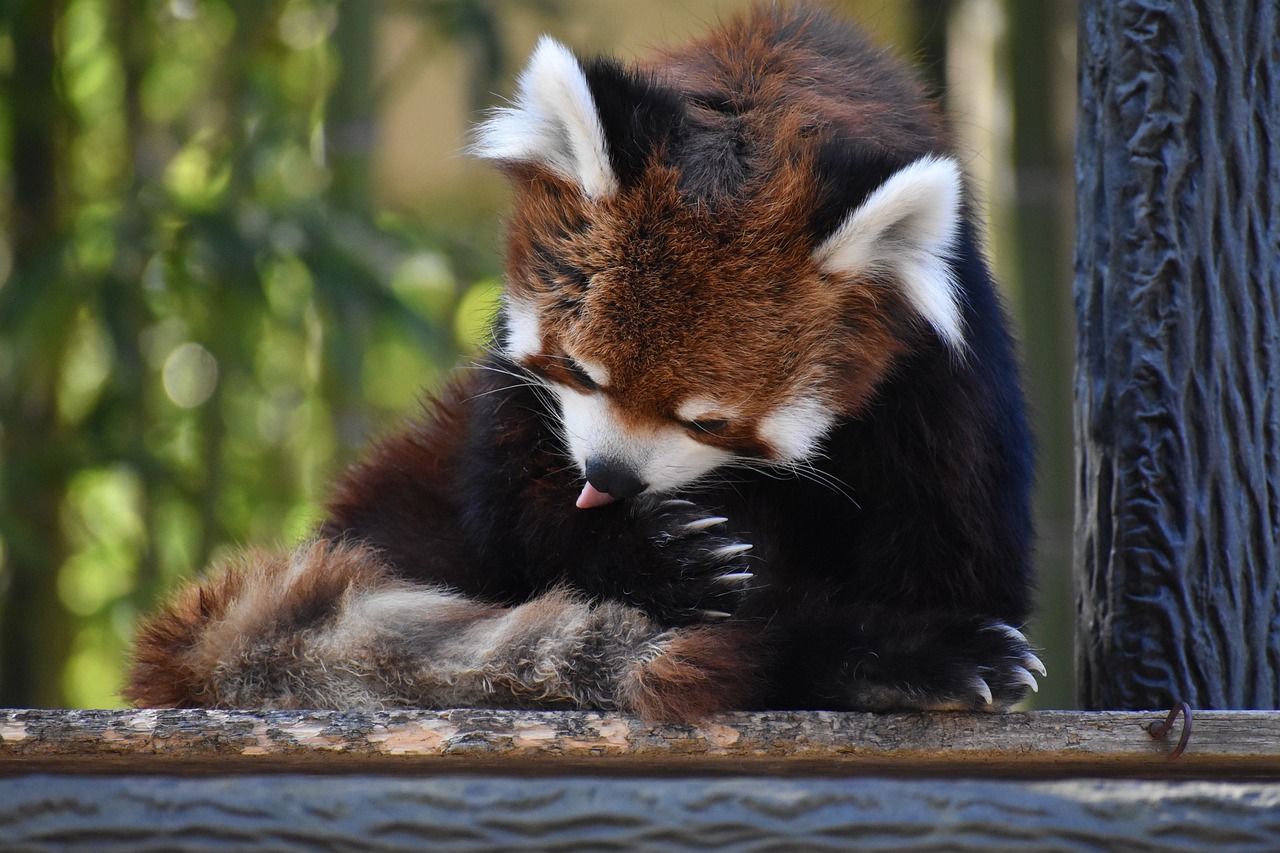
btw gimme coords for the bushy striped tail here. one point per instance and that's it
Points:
(329, 627)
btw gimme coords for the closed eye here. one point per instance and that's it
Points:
(712, 426)
(562, 370)
(579, 375)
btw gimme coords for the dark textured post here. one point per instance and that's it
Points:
(1178, 385)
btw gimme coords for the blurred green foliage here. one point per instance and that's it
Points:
(200, 316)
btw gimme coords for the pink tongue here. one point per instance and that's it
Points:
(592, 497)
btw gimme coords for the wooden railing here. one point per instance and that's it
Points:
(500, 780)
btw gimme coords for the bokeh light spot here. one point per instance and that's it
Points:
(190, 375)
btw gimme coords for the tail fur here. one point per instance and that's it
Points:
(329, 626)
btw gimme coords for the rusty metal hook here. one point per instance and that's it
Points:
(1159, 730)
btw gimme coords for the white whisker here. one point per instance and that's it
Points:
(801, 469)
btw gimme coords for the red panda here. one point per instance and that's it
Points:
(750, 434)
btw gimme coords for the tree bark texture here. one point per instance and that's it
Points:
(1178, 384)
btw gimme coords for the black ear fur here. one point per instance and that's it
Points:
(846, 173)
(638, 116)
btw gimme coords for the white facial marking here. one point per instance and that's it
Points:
(906, 228)
(524, 333)
(553, 122)
(794, 430)
(676, 460)
(703, 408)
(665, 458)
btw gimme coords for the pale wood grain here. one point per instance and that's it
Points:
(1042, 744)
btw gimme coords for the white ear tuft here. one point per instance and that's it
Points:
(552, 122)
(524, 332)
(906, 228)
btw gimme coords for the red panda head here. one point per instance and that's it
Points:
(702, 283)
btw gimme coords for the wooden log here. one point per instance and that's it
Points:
(1041, 744)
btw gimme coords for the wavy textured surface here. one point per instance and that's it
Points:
(1178, 299)
(468, 814)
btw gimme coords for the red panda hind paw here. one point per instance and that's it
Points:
(987, 666)
(1002, 677)
(993, 674)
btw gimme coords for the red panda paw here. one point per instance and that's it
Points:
(996, 675)
(702, 569)
(989, 670)
(1009, 675)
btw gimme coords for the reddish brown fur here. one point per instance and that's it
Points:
(665, 338)
(701, 671)
(866, 90)
(253, 594)
(162, 676)
(258, 621)
(482, 585)
(663, 267)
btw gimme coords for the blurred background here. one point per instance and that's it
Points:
(238, 238)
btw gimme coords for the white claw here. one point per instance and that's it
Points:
(728, 551)
(674, 502)
(1021, 676)
(1034, 664)
(984, 690)
(715, 614)
(735, 577)
(704, 523)
(1009, 631)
